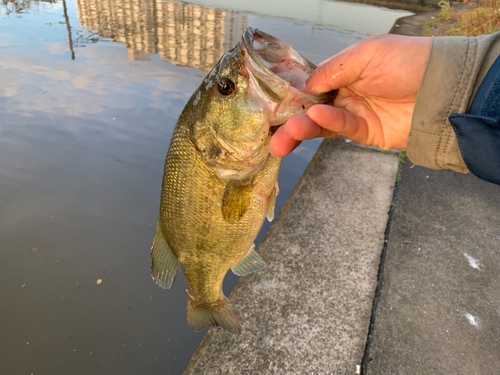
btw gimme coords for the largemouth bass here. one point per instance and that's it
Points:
(220, 181)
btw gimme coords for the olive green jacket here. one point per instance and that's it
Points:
(455, 69)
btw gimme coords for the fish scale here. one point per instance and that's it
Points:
(192, 223)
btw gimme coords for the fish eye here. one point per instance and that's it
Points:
(226, 86)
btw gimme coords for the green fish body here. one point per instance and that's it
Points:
(220, 181)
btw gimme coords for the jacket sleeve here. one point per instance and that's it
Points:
(454, 72)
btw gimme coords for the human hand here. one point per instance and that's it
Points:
(377, 81)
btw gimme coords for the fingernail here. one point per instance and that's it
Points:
(284, 130)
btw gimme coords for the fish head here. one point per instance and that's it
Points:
(254, 87)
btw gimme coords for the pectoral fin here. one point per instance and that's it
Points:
(252, 262)
(236, 200)
(164, 263)
(272, 203)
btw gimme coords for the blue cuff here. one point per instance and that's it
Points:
(479, 142)
(478, 132)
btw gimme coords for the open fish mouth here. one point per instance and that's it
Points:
(281, 74)
(275, 57)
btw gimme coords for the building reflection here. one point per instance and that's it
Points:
(185, 34)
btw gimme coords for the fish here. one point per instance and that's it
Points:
(220, 181)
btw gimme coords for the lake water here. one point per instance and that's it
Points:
(90, 92)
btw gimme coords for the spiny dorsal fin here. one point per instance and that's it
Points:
(236, 199)
(164, 263)
(252, 262)
(272, 202)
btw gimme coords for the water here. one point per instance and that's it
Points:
(90, 92)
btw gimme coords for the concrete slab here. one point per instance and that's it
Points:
(309, 311)
(439, 307)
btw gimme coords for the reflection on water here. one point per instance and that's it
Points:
(83, 136)
(366, 19)
(19, 6)
(185, 34)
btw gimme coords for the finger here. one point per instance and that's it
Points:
(301, 127)
(281, 144)
(341, 122)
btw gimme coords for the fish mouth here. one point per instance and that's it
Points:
(279, 74)
(276, 58)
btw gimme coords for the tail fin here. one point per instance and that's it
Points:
(205, 316)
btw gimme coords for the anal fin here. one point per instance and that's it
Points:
(252, 262)
(272, 202)
(164, 263)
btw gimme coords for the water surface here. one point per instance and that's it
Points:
(90, 92)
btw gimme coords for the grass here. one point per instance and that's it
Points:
(481, 17)
(400, 165)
